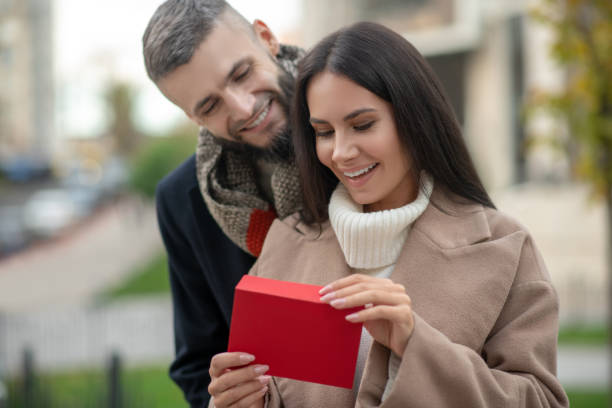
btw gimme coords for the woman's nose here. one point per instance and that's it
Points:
(344, 148)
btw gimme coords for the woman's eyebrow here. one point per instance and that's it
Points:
(351, 115)
(357, 113)
(315, 120)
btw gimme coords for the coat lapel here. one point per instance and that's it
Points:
(447, 268)
(457, 279)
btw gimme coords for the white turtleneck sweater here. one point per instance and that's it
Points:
(371, 243)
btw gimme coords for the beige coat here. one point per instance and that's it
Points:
(486, 314)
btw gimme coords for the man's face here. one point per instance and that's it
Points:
(231, 85)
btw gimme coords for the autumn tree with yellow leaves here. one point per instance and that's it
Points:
(582, 45)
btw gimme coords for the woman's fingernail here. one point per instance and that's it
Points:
(260, 369)
(246, 358)
(264, 390)
(328, 297)
(325, 289)
(352, 317)
(264, 379)
(337, 302)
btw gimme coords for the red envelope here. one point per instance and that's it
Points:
(286, 326)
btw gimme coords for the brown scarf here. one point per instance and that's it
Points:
(228, 183)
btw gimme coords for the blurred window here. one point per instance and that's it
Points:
(406, 15)
(6, 57)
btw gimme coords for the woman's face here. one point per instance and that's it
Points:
(357, 139)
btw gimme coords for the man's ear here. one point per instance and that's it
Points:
(266, 36)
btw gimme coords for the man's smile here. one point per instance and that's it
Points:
(257, 119)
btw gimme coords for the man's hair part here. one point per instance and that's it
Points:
(176, 30)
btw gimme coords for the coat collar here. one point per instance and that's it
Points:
(451, 222)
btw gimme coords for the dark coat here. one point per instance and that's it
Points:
(204, 267)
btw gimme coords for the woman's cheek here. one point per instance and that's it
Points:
(324, 148)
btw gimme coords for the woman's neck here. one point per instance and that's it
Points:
(375, 239)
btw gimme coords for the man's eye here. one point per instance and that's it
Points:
(208, 110)
(242, 74)
(363, 127)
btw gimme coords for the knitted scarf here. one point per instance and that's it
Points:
(227, 180)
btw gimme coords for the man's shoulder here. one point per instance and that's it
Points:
(181, 179)
(179, 202)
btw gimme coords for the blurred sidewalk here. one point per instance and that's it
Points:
(94, 255)
(584, 367)
(569, 230)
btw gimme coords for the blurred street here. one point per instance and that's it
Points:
(118, 238)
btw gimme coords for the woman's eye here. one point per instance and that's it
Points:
(365, 126)
(323, 133)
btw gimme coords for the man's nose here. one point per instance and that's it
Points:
(240, 103)
(344, 148)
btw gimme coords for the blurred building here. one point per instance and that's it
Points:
(487, 54)
(27, 120)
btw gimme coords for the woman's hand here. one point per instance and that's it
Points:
(388, 310)
(235, 384)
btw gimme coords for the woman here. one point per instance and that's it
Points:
(458, 306)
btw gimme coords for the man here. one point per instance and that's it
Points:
(234, 80)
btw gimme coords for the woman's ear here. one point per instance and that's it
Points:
(266, 36)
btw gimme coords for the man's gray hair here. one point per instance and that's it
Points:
(176, 30)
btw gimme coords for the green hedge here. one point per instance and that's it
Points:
(148, 387)
(152, 388)
(593, 335)
(151, 279)
(589, 398)
(160, 155)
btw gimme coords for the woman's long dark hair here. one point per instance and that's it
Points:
(386, 64)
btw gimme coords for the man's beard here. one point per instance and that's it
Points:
(280, 147)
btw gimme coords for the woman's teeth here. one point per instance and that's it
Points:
(360, 172)
(260, 118)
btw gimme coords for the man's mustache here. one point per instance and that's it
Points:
(261, 102)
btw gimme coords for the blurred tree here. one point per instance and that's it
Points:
(159, 156)
(582, 44)
(120, 97)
